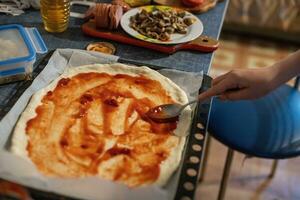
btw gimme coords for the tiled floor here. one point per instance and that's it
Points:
(242, 52)
(249, 181)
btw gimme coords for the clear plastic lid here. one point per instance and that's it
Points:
(12, 44)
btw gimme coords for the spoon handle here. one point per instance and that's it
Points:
(189, 103)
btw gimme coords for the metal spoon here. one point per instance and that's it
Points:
(167, 112)
(170, 112)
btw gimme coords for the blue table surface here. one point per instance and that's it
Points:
(74, 38)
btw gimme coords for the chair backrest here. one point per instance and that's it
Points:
(268, 127)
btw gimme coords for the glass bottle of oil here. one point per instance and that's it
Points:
(55, 14)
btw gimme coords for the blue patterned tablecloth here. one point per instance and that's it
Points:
(74, 38)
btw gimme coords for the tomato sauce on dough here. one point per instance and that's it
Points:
(96, 124)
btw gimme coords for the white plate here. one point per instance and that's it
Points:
(193, 30)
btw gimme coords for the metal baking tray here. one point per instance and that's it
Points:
(194, 148)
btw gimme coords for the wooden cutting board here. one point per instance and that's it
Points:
(201, 44)
(205, 6)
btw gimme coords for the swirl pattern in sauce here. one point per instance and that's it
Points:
(95, 124)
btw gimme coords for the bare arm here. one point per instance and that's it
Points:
(254, 83)
(287, 68)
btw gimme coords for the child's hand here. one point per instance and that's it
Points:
(242, 84)
(254, 83)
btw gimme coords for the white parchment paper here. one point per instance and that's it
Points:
(23, 171)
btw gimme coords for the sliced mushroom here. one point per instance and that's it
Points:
(182, 30)
(169, 30)
(160, 24)
(188, 21)
(164, 36)
(181, 14)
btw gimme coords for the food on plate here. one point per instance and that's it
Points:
(91, 121)
(105, 15)
(192, 3)
(103, 47)
(160, 24)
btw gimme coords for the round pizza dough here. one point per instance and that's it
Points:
(168, 166)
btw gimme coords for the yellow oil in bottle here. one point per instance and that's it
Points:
(55, 14)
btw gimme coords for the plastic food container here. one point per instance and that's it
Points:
(18, 48)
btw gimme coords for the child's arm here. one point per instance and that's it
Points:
(254, 83)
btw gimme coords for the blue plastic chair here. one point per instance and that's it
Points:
(268, 127)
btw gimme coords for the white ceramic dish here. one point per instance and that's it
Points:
(194, 30)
